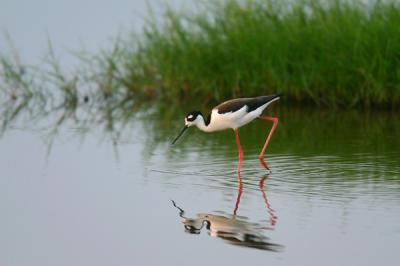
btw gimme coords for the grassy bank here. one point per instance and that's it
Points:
(330, 53)
(333, 53)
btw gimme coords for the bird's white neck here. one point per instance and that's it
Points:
(216, 123)
(201, 124)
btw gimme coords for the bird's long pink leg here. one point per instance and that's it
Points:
(240, 191)
(275, 124)
(239, 149)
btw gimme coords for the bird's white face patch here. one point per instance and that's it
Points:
(190, 116)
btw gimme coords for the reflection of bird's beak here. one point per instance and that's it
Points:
(180, 134)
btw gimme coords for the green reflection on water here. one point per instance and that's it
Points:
(300, 132)
(331, 146)
(336, 140)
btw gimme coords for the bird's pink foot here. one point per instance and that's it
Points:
(263, 163)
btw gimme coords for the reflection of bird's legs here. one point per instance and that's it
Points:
(271, 132)
(240, 150)
(270, 211)
(240, 190)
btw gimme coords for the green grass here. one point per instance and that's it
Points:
(338, 53)
(332, 53)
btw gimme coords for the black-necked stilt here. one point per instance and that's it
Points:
(234, 114)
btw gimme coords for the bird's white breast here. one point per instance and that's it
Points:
(227, 120)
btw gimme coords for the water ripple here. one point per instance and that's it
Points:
(326, 177)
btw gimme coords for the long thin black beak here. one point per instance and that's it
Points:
(180, 134)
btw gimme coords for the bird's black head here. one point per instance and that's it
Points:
(190, 117)
(190, 120)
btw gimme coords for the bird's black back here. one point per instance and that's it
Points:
(251, 103)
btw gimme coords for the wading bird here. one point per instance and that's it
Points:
(234, 114)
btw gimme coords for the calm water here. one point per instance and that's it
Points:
(332, 197)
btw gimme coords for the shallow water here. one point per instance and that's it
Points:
(331, 197)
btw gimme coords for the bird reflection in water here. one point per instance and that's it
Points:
(234, 229)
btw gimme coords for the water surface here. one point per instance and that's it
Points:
(104, 195)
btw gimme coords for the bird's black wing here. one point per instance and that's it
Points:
(251, 103)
